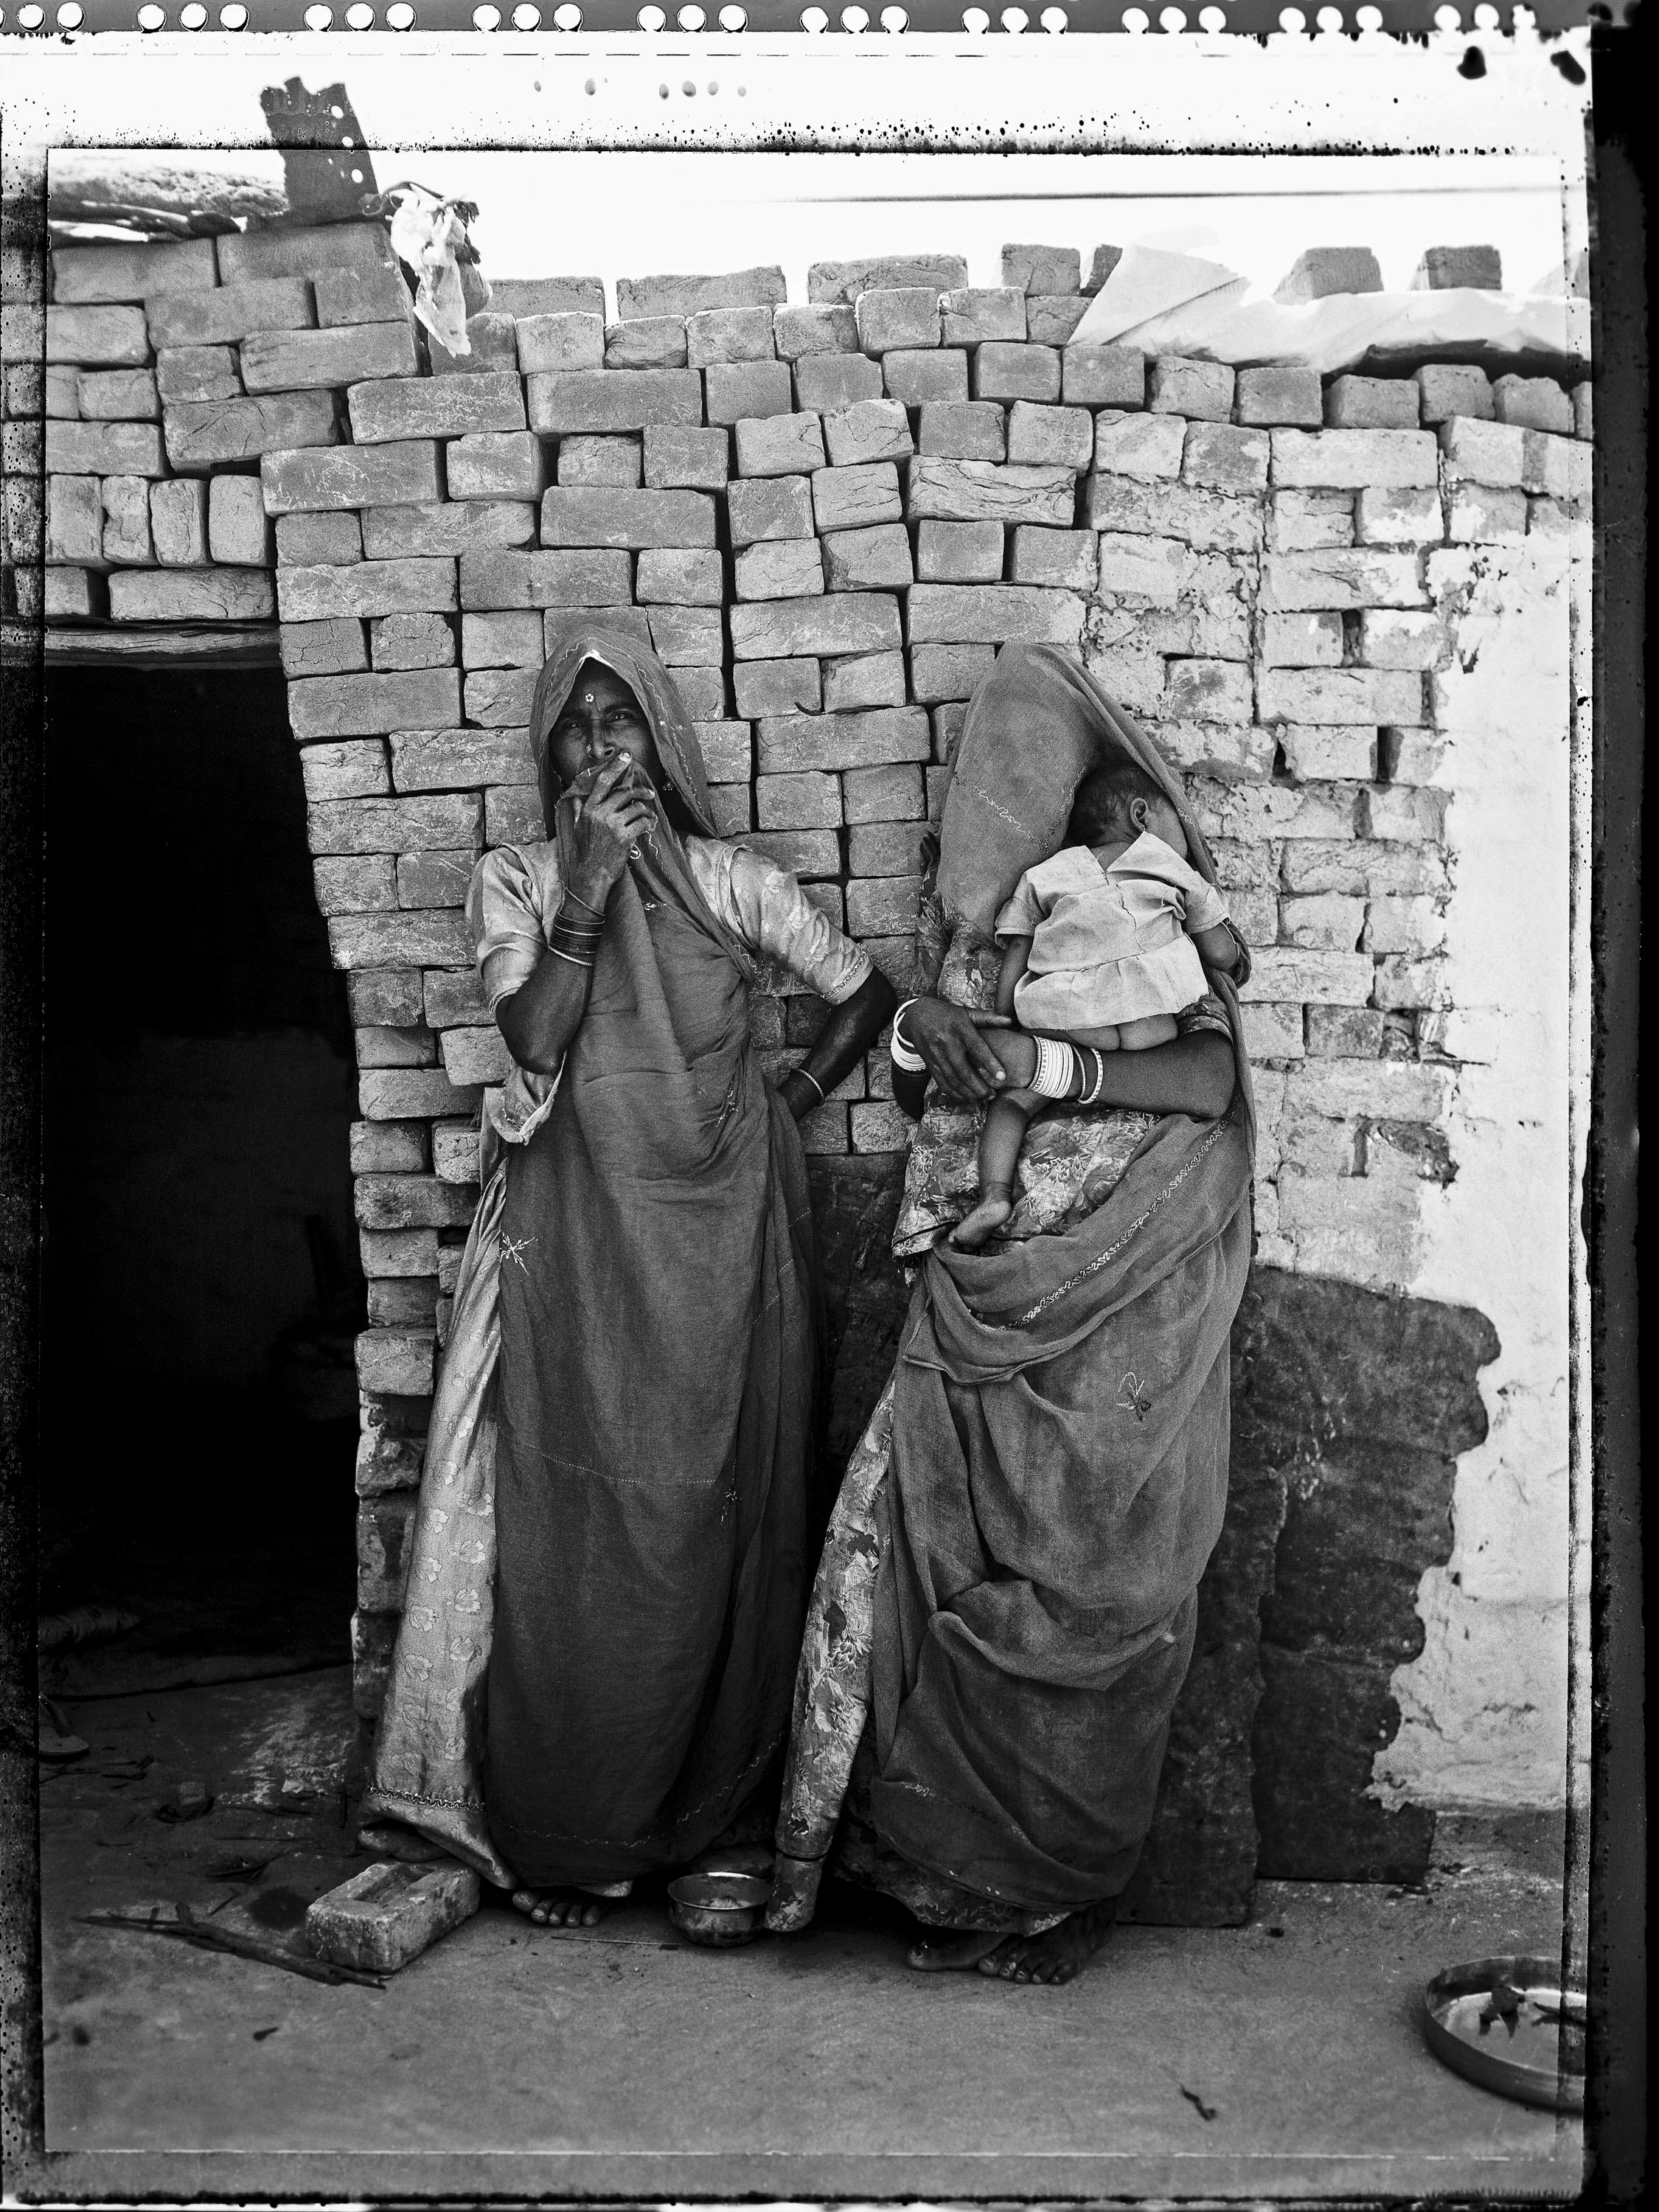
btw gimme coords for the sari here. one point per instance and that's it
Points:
(1005, 1610)
(610, 1559)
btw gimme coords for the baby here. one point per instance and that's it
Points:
(1102, 945)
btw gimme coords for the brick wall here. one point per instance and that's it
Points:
(825, 517)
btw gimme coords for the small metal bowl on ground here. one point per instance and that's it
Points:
(1508, 2024)
(718, 1909)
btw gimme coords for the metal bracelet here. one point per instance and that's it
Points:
(814, 1080)
(900, 1051)
(570, 957)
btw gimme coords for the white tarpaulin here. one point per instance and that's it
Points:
(1176, 303)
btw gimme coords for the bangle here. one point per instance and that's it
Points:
(1089, 1097)
(570, 957)
(1056, 1067)
(903, 1053)
(808, 1077)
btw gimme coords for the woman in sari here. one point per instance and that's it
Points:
(610, 1557)
(1005, 1610)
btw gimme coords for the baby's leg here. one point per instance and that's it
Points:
(999, 1140)
(1150, 1029)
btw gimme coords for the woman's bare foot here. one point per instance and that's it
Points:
(564, 1907)
(952, 1951)
(972, 1230)
(1058, 1953)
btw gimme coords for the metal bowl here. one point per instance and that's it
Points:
(1508, 2024)
(718, 1909)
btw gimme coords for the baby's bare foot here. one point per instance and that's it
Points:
(988, 1216)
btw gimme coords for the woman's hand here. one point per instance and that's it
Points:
(959, 1059)
(614, 816)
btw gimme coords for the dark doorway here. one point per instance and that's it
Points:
(202, 1286)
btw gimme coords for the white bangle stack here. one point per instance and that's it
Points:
(904, 1054)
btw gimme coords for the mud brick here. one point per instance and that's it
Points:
(227, 316)
(1202, 388)
(1362, 578)
(425, 585)
(842, 281)
(239, 530)
(191, 595)
(561, 343)
(1051, 318)
(719, 335)
(1344, 1032)
(547, 296)
(376, 294)
(1399, 518)
(1208, 691)
(731, 810)
(390, 996)
(435, 407)
(1042, 268)
(702, 693)
(429, 881)
(916, 379)
(685, 637)
(400, 940)
(395, 825)
(445, 760)
(1217, 457)
(197, 373)
(387, 1148)
(1341, 694)
(59, 388)
(75, 519)
(118, 395)
(126, 522)
(1277, 396)
(595, 461)
(811, 800)
(306, 361)
(868, 559)
(1410, 756)
(434, 527)
(873, 430)
(399, 1361)
(1312, 521)
(557, 624)
(882, 906)
(109, 449)
(391, 1253)
(972, 614)
(959, 552)
(1301, 640)
(687, 578)
(331, 646)
(356, 769)
(498, 698)
(412, 640)
(1560, 468)
(895, 317)
(1385, 638)
(589, 578)
(409, 1303)
(856, 498)
(765, 507)
(1353, 461)
(884, 849)
(370, 704)
(1402, 816)
(73, 595)
(1482, 514)
(1103, 376)
(1059, 437)
(475, 1055)
(366, 883)
(104, 337)
(738, 392)
(981, 491)
(452, 997)
(502, 641)
(776, 687)
(964, 430)
(497, 465)
(650, 341)
(1321, 271)
(1067, 559)
(87, 276)
(865, 679)
(1456, 268)
(346, 475)
(680, 457)
(284, 252)
(798, 332)
(831, 383)
(317, 541)
(883, 794)
(795, 742)
(761, 287)
(726, 750)
(842, 623)
(1372, 403)
(492, 343)
(578, 516)
(178, 518)
(1232, 752)
(1017, 372)
(971, 315)
(1286, 974)
(1159, 569)
(1144, 447)
(613, 399)
(780, 568)
(948, 672)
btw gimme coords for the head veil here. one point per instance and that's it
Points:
(1035, 727)
(651, 685)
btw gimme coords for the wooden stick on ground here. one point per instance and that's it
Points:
(187, 1929)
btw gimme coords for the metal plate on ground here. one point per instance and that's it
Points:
(1508, 2024)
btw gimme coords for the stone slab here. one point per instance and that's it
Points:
(87, 276)
(455, 406)
(239, 595)
(230, 314)
(301, 250)
(203, 435)
(763, 286)
(434, 526)
(395, 475)
(101, 337)
(309, 361)
(842, 281)
(613, 399)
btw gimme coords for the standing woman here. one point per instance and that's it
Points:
(611, 1561)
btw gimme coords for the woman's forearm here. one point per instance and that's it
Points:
(1191, 1074)
(543, 1015)
(852, 1029)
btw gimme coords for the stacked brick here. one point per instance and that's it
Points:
(825, 518)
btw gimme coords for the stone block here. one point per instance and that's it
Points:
(1232, 752)
(398, 940)
(981, 491)
(325, 476)
(386, 1148)
(442, 760)
(197, 373)
(994, 614)
(1051, 318)
(1448, 389)
(1321, 921)
(1302, 640)
(103, 449)
(852, 498)
(780, 445)
(374, 294)
(126, 522)
(239, 595)
(1398, 517)
(526, 296)
(804, 853)
(89, 276)
(594, 461)
(779, 568)
(238, 529)
(762, 507)
(1344, 1032)
(793, 744)
(842, 281)
(1354, 460)
(1560, 468)
(679, 578)
(960, 552)
(395, 825)
(948, 672)
(1350, 696)
(502, 641)
(495, 464)
(1103, 376)
(1361, 578)
(1458, 267)
(370, 704)
(118, 395)
(331, 646)
(842, 623)
(684, 637)
(1404, 816)
(1272, 1033)
(727, 752)
(742, 391)
(777, 687)
(178, 517)
(497, 698)
(314, 541)
(1265, 397)
(876, 559)
(399, 1361)
(1208, 691)
(1311, 521)
(453, 998)
(967, 430)
(1154, 569)
(422, 586)
(811, 800)
(475, 1055)
(72, 595)
(492, 343)
(679, 457)
(366, 883)
(1202, 388)
(888, 795)
(1372, 403)
(579, 516)
(916, 379)
(1219, 457)
(613, 399)
(432, 527)
(1483, 453)
(75, 520)
(866, 679)
(1042, 268)
(1146, 446)
(649, 342)
(882, 906)
(898, 317)
(1373, 868)
(1208, 521)
(388, 1253)
(549, 343)
(57, 387)
(702, 693)
(799, 332)
(729, 334)
(731, 810)
(970, 315)
(1320, 272)
(1388, 639)
(353, 771)
(761, 287)
(308, 360)
(1480, 514)
(872, 430)
(558, 622)
(1003, 373)
(1410, 756)
(302, 250)
(1285, 974)
(435, 407)
(97, 337)
(1057, 437)
(885, 848)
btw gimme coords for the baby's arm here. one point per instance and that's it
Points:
(1016, 956)
(1217, 948)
